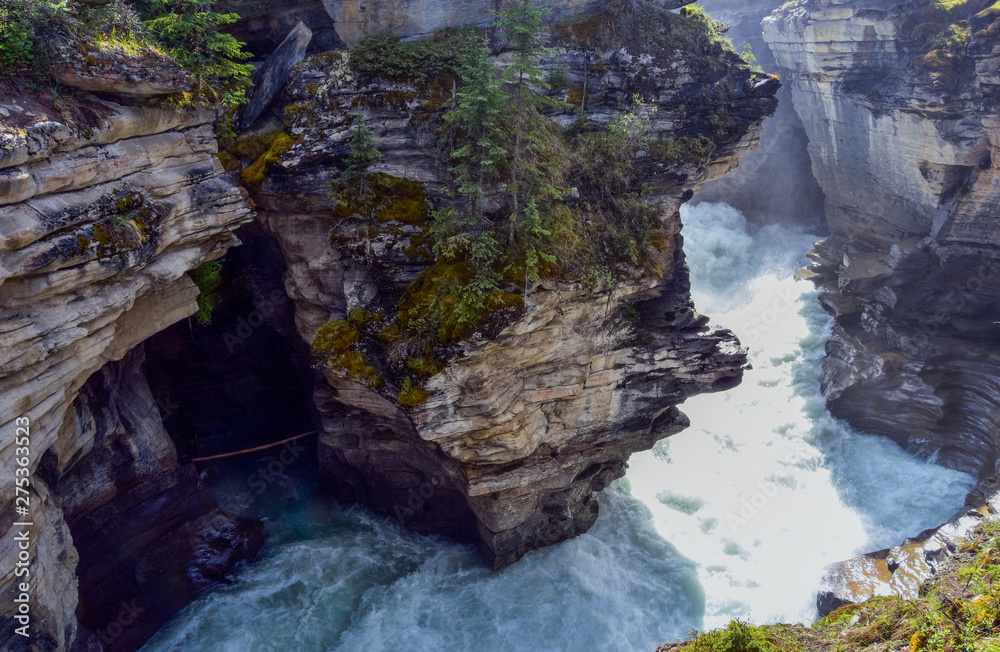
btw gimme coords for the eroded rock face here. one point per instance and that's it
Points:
(103, 68)
(422, 18)
(100, 220)
(906, 151)
(910, 173)
(524, 426)
(149, 537)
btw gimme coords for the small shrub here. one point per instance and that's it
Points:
(30, 30)
(419, 62)
(559, 76)
(411, 395)
(738, 636)
(208, 278)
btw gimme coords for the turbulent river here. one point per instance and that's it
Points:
(734, 517)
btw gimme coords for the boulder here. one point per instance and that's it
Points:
(270, 77)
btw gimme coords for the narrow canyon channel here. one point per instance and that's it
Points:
(734, 517)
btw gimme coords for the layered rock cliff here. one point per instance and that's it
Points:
(338, 22)
(536, 413)
(774, 182)
(105, 206)
(899, 103)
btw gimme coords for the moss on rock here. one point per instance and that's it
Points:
(433, 302)
(335, 337)
(278, 144)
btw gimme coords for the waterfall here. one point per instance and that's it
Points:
(734, 517)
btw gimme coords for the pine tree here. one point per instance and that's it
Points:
(353, 185)
(522, 27)
(364, 154)
(478, 118)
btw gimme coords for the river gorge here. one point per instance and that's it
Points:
(735, 359)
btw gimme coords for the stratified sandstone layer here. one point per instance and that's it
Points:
(101, 218)
(905, 142)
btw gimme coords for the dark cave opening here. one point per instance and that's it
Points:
(242, 381)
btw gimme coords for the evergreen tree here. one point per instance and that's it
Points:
(478, 118)
(364, 154)
(193, 35)
(522, 27)
(353, 185)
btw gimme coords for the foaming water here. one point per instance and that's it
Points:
(766, 487)
(735, 516)
(362, 583)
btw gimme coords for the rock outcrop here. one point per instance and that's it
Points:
(269, 79)
(899, 105)
(107, 203)
(525, 424)
(102, 214)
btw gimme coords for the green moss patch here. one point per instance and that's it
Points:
(433, 301)
(411, 395)
(278, 143)
(335, 337)
(392, 199)
(335, 341)
(208, 278)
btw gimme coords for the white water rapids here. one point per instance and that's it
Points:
(734, 517)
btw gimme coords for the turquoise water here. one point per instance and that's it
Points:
(736, 516)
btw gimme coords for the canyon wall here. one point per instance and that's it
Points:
(899, 103)
(774, 182)
(105, 205)
(335, 23)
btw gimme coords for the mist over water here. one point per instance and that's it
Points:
(765, 488)
(735, 516)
